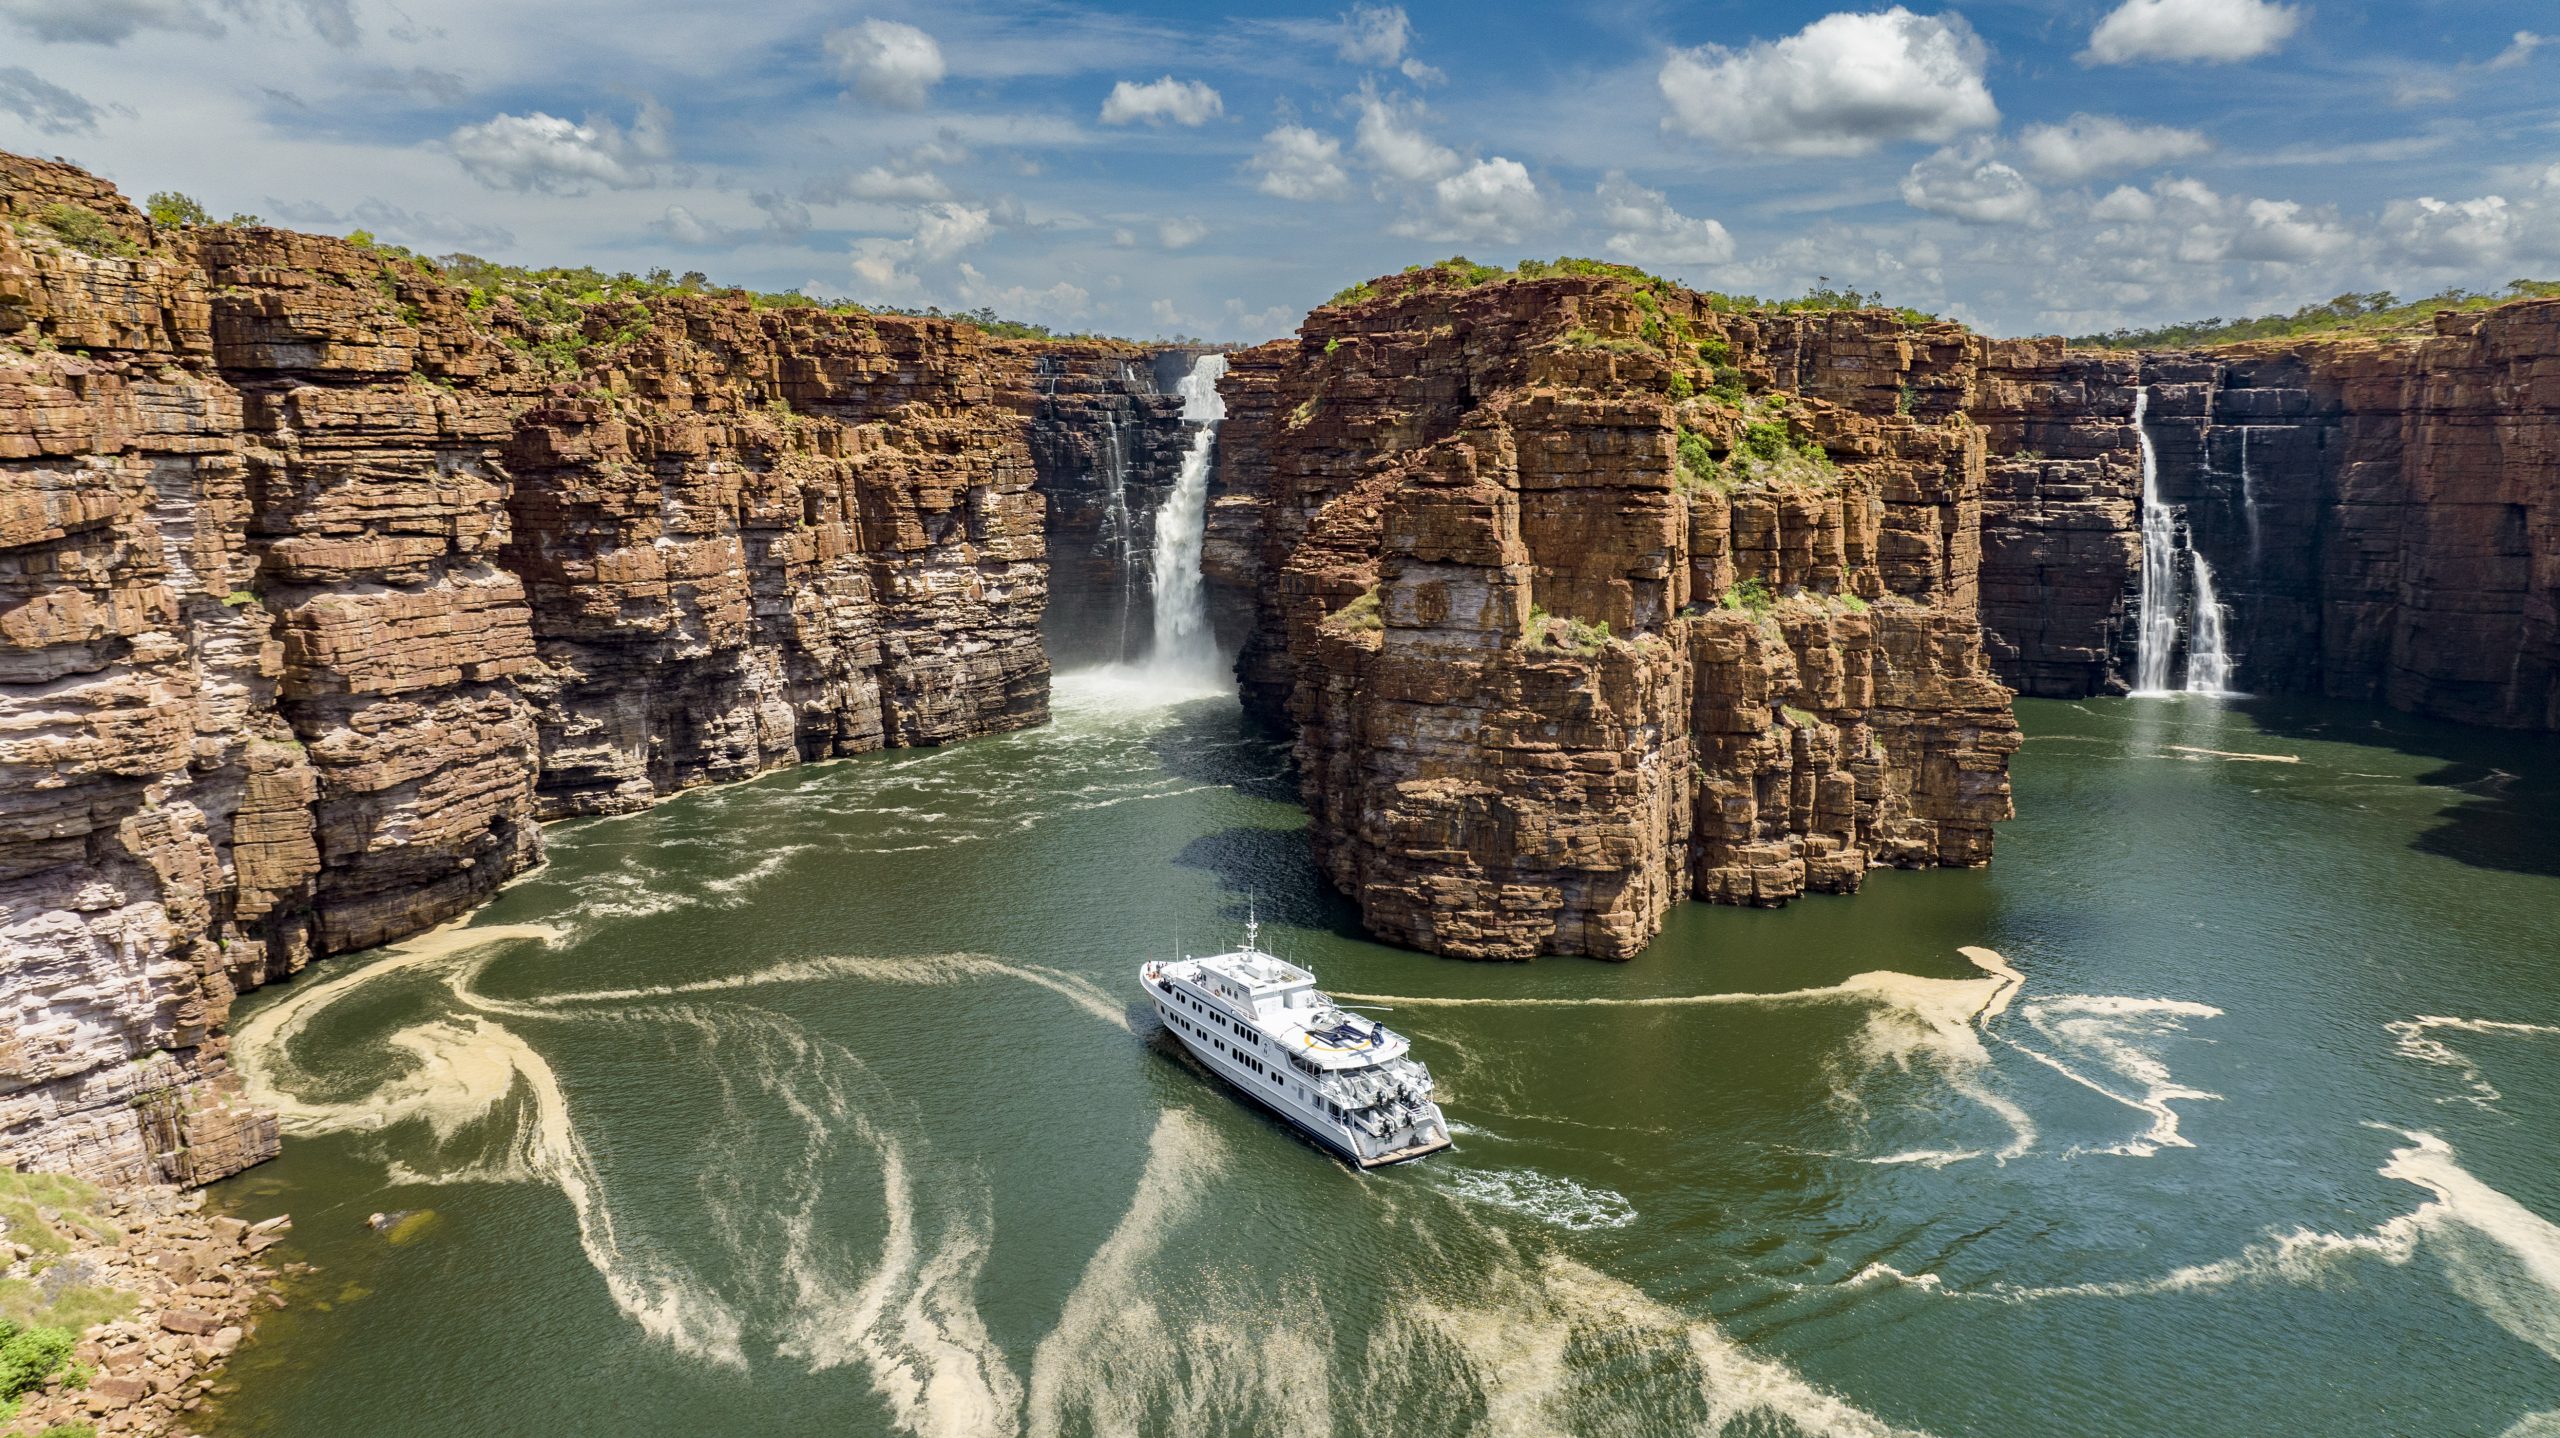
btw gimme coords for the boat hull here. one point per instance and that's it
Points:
(1286, 1094)
(1322, 1139)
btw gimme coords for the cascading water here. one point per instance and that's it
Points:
(2158, 636)
(2208, 649)
(1118, 530)
(2208, 656)
(1185, 649)
(2249, 497)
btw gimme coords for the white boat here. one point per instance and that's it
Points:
(1348, 1082)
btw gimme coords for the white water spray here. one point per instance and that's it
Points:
(2159, 604)
(2208, 649)
(2208, 653)
(1118, 529)
(1185, 648)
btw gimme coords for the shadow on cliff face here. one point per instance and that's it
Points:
(2509, 782)
(1272, 874)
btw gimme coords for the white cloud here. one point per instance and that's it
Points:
(1394, 147)
(2452, 235)
(2210, 31)
(1182, 233)
(420, 229)
(2518, 51)
(936, 233)
(880, 183)
(1184, 102)
(1649, 231)
(111, 22)
(1296, 163)
(1492, 199)
(1374, 35)
(1968, 184)
(1840, 86)
(888, 63)
(1421, 74)
(546, 153)
(51, 109)
(2284, 232)
(946, 229)
(687, 228)
(2124, 203)
(1060, 301)
(2086, 146)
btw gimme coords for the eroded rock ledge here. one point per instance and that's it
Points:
(1548, 679)
(317, 595)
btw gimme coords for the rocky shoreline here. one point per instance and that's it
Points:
(192, 1287)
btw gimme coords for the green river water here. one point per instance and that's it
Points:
(828, 1105)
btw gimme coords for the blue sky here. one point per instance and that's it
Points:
(1158, 169)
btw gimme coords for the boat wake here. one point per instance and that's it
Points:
(1145, 1341)
(2105, 1044)
(2417, 1039)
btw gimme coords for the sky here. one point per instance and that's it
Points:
(2033, 166)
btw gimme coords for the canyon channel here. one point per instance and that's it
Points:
(388, 698)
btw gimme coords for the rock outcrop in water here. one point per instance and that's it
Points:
(317, 595)
(1546, 678)
(2382, 515)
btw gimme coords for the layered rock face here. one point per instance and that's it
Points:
(317, 595)
(1106, 447)
(1546, 680)
(2382, 517)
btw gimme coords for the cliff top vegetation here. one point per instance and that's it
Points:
(2379, 313)
(1459, 272)
(554, 296)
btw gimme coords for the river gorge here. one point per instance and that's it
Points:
(670, 810)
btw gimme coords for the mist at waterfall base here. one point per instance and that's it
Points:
(826, 1103)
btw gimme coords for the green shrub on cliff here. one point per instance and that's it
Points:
(1749, 596)
(171, 210)
(85, 231)
(1698, 468)
(1461, 272)
(2377, 313)
(1365, 614)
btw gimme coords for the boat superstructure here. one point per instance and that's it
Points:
(1347, 1081)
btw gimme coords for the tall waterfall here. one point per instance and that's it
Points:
(1119, 530)
(1185, 648)
(2208, 646)
(2249, 497)
(2208, 656)
(2158, 637)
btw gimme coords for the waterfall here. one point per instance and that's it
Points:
(2249, 498)
(2158, 635)
(1185, 648)
(2208, 656)
(2208, 646)
(1118, 530)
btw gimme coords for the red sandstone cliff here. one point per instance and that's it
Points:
(318, 591)
(1545, 680)
(2382, 514)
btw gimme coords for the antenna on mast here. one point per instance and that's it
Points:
(1252, 924)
